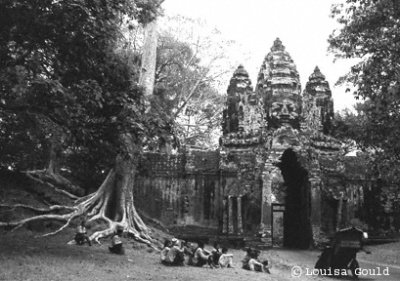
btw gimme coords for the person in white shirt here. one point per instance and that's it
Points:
(164, 252)
(176, 254)
(225, 260)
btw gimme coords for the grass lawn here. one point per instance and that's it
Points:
(23, 257)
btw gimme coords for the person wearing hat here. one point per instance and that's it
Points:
(116, 242)
(176, 254)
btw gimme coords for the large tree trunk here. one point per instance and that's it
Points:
(113, 203)
(149, 56)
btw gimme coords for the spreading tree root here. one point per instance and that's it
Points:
(102, 205)
(55, 181)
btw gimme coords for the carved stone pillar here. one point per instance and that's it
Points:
(225, 215)
(230, 215)
(266, 200)
(315, 216)
(239, 214)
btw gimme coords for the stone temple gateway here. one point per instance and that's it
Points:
(275, 152)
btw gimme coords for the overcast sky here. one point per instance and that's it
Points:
(302, 25)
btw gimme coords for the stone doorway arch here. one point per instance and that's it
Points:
(297, 216)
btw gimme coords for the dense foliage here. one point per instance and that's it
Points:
(192, 63)
(370, 32)
(185, 93)
(67, 86)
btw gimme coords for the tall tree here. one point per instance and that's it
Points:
(193, 62)
(60, 69)
(370, 31)
(149, 58)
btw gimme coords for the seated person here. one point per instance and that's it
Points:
(81, 235)
(201, 256)
(225, 260)
(164, 251)
(188, 250)
(116, 242)
(176, 254)
(216, 253)
(251, 261)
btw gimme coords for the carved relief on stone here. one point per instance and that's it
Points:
(284, 110)
(285, 137)
(278, 188)
(244, 110)
(318, 97)
(279, 84)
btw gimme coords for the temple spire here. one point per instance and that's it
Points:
(243, 111)
(278, 46)
(317, 94)
(279, 85)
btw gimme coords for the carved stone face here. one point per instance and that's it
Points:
(284, 111)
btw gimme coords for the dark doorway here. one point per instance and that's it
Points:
(235, 214)
(297, 223)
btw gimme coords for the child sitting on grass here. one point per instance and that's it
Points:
(225, 260)
(116, 242)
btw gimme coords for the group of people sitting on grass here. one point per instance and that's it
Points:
(177, 252)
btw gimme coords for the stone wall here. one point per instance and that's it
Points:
(180, 190)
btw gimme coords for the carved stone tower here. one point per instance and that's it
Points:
(279, 84)
(243, 113)
(318, 103)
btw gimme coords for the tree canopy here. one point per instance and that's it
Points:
(69, 91)
(370, 31)
(192, 62)
(68, 85)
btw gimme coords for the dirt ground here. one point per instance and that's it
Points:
(23, 257)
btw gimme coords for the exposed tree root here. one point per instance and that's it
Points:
(36, 209)
(39, 179)
(113, 204)
(52, 178)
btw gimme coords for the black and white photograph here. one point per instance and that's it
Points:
(203, 140)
